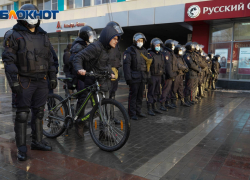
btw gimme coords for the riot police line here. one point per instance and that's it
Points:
(31, 68)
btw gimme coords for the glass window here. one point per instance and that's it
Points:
(70, 4)
(113, 1)
(54, 4)
(241, 61)
(63, 37)
(78, 3)
(47, 4)
(40, 4)
(97, 2)
(86, 2)
(53, 37)
(242, 31)
(222, 33)
(224, 50)
(72, 36)
(27, 2)
(8, 7)
(105, 1)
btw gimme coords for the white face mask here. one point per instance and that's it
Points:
(32, 21)
(139, 44)
(218, 58)
(180, 52)
(91, 39)
(173, 47)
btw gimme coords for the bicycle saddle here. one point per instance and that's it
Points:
(64, 79)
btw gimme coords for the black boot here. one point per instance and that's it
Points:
(141, 115)
(154, 108)
(20, 136)
(168, 105)
(134, 117)
(174, 103)
(150, 111)
(163, 108)
(37, 144)
(183, 103)
(187, 102)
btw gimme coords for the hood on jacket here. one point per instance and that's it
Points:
(107, 34)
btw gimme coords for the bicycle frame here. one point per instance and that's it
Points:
(94, 90)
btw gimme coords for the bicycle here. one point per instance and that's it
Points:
(107, 135)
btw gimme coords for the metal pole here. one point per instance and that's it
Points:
(232, 46)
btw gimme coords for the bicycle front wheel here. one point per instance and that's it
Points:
(54, 114)
(109, 125)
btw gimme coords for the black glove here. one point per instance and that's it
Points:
(52, 84)
(149, 81)
(129, 82)
(16, 88)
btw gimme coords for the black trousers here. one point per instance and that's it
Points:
(178, 86)
(154, 89)
(34, 95)
(191, 87)
(135, 98)
(114, 87)
(166, 90)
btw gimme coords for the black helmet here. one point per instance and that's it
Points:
(217, 57)
(154, 42)
(198, 47)
(190, 46)
(170, 43)
(116, 26)
(139, 36)
(211, 55)
(86, 32)
(26, 22)
(179, 49)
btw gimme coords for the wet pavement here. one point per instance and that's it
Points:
(209, 140)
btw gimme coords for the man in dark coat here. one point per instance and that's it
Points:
(136, 74)
(28, 63)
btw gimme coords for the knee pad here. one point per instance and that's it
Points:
(40, 112)
(22, 117)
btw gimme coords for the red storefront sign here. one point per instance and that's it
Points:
(217, 9)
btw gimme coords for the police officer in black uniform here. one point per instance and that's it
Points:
(136, 75)
(192, 75)
(28, 63)
(95, 58)
(171, 70)
(216, 70)
(86, 36)
(157, 69)
(115, 61)
(178, 87)
(209, 78)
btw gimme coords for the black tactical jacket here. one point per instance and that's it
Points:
(192, 63)
(157, 67)
(181, 64)
(23, 56)
(134, 66)
(171, 68)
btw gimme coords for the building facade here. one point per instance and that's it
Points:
(221, 26)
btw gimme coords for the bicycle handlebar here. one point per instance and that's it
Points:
(97, 75)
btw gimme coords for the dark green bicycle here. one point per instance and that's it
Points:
(107, 135)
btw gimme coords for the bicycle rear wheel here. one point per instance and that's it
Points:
(53, 126)
(108, 135)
